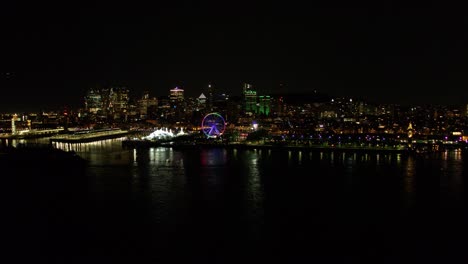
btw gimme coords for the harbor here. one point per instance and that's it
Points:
(35, 133)
(128, 143)
(89, 136)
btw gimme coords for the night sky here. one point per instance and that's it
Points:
(384, 52)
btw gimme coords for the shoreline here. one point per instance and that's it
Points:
(94, 136)
(188, 146)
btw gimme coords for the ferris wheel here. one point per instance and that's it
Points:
(213, 125)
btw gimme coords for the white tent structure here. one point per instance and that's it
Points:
(164, 134)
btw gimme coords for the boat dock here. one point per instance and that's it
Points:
(34, 133)
(89, 136)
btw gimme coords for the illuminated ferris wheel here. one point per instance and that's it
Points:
(213, 125)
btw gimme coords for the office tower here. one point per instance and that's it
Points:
(264, 105)
(93, 101)
(119, 99)
(201, 100)
(249, 99)
(176, 95)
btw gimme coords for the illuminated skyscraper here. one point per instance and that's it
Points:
(250, 99)
(93, 101)
(264, 105)
(119, 99)
(146, 105)
(210, 94)
(201, 99)
(107, 101)
(176, 95)
(279, 106)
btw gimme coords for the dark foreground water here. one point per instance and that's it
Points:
(231, 206)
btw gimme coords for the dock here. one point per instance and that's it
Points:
(35, 133)
(198, 145)
(89, 136)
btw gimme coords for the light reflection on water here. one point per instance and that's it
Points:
(17, 142)
(452, 169)
(100, 153)
(409, 172)
(265, 195)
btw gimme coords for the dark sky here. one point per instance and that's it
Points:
(386, 52)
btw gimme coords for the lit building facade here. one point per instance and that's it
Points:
(147, 106)
(249, 99)
(176, 95)
(210, 93)
(201, 100)
(119, 99)
(107, 101)
(264, 105)
(93, 101)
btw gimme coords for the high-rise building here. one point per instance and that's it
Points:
(249, 99)
(176, 95)
(264, 105)
(201, 100)
(279, 105)
(119, 99)
(210, 96)
(93, 101)
(107, 101)
(146, 105)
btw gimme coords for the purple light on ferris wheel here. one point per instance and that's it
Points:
(213, 125)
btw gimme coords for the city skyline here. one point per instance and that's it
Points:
(381, 52)
(234, 132)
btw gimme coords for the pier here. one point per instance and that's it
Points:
(89, 136)
(35, 133)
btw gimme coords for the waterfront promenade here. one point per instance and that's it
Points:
(250, 145)
(35, 133)
(89, 136)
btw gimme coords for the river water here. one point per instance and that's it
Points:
(226, 206)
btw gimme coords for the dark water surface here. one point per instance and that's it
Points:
(230, 206)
